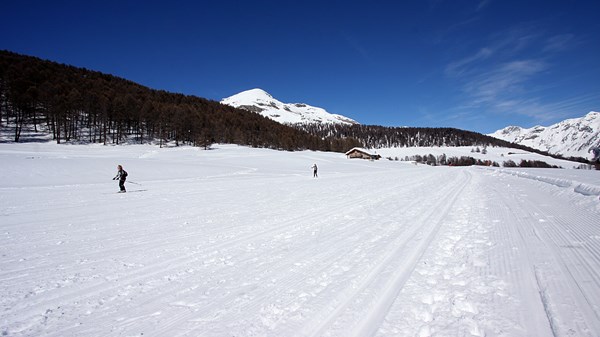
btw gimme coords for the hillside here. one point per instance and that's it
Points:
(78, 105)
(569, 138)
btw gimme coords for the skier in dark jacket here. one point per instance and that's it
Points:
(314, 167)
(122, 176)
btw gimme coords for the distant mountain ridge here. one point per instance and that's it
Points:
(569, 138)
(261, 102)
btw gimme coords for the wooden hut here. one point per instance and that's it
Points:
(361, 153)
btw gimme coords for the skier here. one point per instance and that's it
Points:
(122, 176)
(314, 167)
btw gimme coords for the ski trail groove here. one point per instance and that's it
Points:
(371, 322)
(558, 236)
(562, 274)
(376, 312)
(290, 280)
(143, 274)
(517, 262)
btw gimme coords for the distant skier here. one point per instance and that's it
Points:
(122, 176)
(314, 167)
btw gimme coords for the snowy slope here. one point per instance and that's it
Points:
(238, 241)
(259, 101)
(571, 137)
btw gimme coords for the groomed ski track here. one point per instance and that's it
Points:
(251, 245)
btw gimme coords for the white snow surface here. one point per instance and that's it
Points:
(258, 100)
(571, 137)
(237, 241)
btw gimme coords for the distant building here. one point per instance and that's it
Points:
(361, 153)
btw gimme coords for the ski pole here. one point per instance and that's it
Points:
(132, 182)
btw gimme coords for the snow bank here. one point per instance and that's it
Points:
(580, 187)
(586, 189)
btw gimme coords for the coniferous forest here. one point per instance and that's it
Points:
(377, 137)
(76, 104)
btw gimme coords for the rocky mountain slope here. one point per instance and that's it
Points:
(571, 137)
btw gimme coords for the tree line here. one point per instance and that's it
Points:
(376, 137)
(76, 104)
(442, 159)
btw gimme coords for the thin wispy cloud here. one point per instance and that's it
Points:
(483, 4)
(504, 45)
(509, 95)
(503, 81)
(504, 75)
(544, 113)
(559, 109)
(459, 67)
(469, 18)
(559, 43)
(435, 4)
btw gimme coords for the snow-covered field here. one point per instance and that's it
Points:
(244, 242)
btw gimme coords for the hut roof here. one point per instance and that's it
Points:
(360, 149)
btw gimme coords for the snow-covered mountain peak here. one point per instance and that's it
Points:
(252, 94)
(592, 116)
(260, 101)
(571, 137)
(510, 130)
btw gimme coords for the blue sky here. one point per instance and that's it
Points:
(477, 65)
